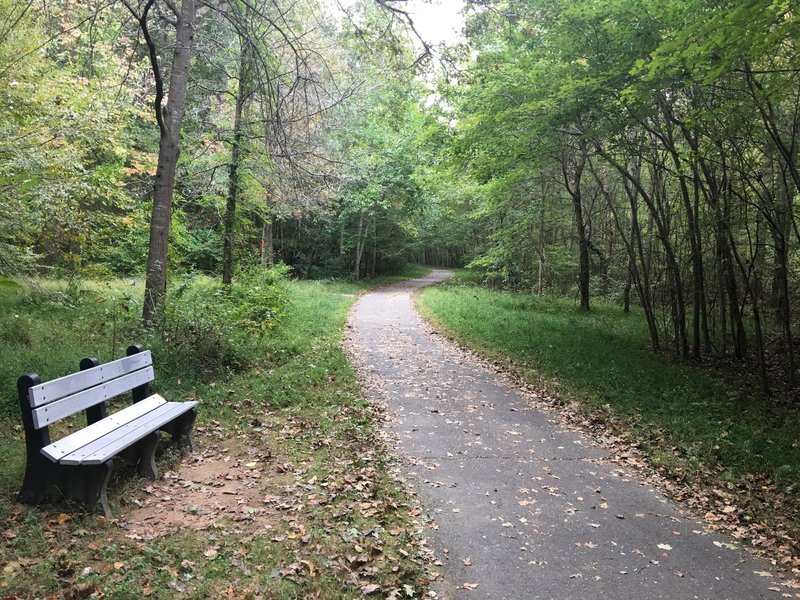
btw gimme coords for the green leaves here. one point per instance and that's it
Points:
(9, 284)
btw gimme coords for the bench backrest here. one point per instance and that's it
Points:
(62, 397)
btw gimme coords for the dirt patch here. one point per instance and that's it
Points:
(223, 481)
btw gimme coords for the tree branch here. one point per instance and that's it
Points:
(151, 47)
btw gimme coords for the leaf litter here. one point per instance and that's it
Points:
(327, 502)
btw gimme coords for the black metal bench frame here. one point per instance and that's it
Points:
(79, 465)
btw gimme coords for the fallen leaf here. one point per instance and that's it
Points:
(725, 545)
(11, 567)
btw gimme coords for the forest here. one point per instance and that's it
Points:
(193, 171)
(640, 153)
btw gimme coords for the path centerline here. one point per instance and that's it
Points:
(522, 506)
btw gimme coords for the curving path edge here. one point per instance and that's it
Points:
(522, 507)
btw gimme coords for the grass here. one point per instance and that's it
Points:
(352, 529)
(697, 425)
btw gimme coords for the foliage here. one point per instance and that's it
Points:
(207, 332)
(644, 151)
(211, 329)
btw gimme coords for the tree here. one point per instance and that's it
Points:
(169, 118)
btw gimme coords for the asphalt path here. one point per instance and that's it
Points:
(522, 506)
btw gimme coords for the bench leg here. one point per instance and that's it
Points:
(181, 429)
(88, 484)
(36, 484)
(146, 452)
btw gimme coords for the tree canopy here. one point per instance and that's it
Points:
(635, 152)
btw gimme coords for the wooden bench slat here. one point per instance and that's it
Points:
(68, 385)
(74, 441)
(55, 411)
(110, 445)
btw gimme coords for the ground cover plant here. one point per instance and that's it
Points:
(729, 454)
(290, 493)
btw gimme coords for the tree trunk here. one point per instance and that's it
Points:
(572, 182)
(311, 254)
(168, 152)
(359, 246)
(780, 235)
(541, 243)
(236, 159)
(662, 226)
(693, 233)
(634, 248)
(374, 246)
(626, 293)
(267, 251)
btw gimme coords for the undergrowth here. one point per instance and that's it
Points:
(291, 394)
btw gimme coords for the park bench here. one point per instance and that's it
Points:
(79, 464)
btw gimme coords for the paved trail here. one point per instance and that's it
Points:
(525, 508)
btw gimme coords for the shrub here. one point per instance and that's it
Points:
(207, 328)
(201, 251)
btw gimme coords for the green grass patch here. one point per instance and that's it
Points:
(695, 422)
(297, 403)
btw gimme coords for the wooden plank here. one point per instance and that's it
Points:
(68, 385)
(77, 440)
(55, 411)
(110, 445)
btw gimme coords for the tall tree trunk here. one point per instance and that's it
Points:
(781, 233)
(374, 246)
(267, 250)
(626, 292)
(673, 269)
(170, 122)
(634, 248)
(541, 243)
(693, 233)
(311, 255)
(572, 182)
(729, 252)
(283, 241)
(360, 241)
(242, 95)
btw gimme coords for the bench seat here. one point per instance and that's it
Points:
(103, 440)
